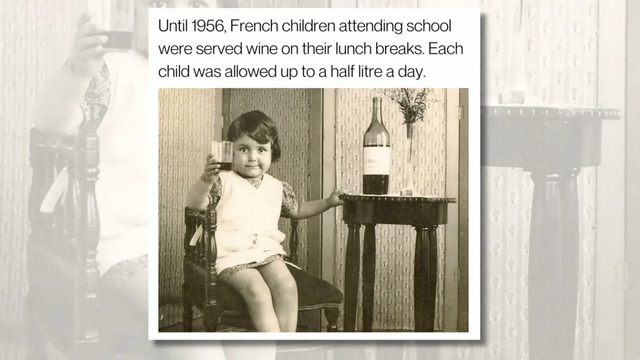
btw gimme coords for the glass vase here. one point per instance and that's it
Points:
(408, 178)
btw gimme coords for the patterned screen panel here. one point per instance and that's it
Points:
(185, 133)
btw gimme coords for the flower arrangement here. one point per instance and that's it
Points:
(412, 104)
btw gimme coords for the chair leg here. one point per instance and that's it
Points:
(210, 318)
(331, 313)
(187, 311)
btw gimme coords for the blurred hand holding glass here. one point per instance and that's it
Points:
(115, 20)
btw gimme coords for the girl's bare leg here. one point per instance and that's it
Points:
(255, 292)
(284, 293)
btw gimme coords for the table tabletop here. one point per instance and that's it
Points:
(418, 211)
(554, 112)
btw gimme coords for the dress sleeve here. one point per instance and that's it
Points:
(289, 202)
(96, 99)
(216, 190)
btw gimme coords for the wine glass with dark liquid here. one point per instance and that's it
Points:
(222, 153)
(115, 18)
(226, 153)
(118, 40)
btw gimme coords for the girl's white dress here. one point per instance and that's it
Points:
(247, 220)
(123, 185)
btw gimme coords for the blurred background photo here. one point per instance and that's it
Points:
(570, 67)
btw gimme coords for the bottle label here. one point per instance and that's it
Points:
(377, 160)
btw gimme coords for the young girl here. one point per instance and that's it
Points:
(250, 253)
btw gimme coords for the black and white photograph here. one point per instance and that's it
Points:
(314, 210)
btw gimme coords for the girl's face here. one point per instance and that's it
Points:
(250, 158)
(142, 19)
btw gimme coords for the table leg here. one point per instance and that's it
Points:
(424, 278)
(553, 266)
(351, 277)
(368, 275)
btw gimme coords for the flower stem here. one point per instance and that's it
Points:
(410, 138)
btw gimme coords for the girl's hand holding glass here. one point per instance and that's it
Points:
(211, 169)
(220, 159)
(87, 52)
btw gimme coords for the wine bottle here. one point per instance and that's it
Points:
(376, 154)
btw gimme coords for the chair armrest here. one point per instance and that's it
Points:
(75, 224)
(204, 252)
(200, 259)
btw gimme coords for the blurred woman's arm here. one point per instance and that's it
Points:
(58, 105)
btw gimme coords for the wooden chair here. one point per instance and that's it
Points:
(219, 302)
(65, 300)
(61, 252)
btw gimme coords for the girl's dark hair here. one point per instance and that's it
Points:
(258, 126)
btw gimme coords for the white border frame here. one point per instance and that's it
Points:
(471, 81)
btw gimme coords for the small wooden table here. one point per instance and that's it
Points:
(423, 213)
(553, 144)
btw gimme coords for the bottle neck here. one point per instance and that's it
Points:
(376, 116)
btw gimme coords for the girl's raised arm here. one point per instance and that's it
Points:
(197, 198)
(58, 108)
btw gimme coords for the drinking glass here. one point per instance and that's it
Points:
(222, 153)
(115, 18)
(226, 155)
